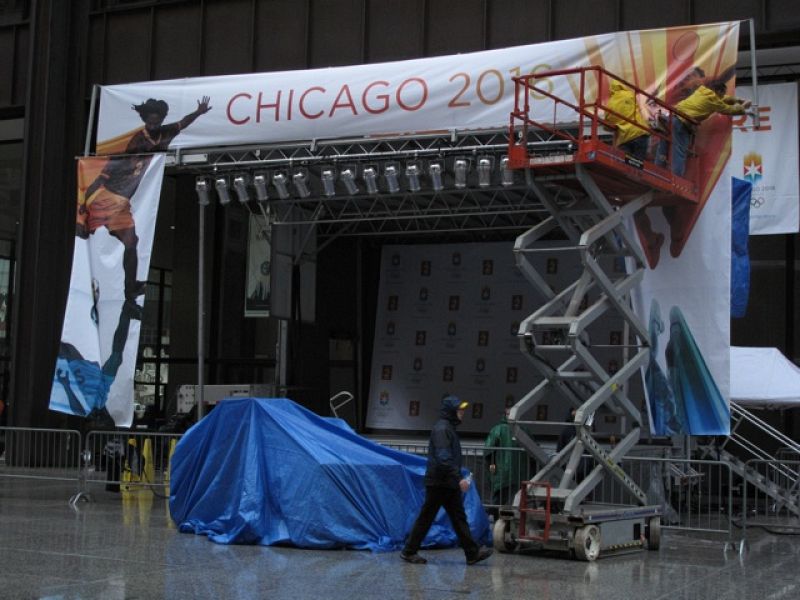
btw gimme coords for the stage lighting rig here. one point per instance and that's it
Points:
(260, 185)
(203, 191)
(280, 182)
(221, 185)
(240, 186)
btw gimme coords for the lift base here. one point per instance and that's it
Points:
(593, 531)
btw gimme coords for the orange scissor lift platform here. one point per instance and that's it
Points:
(591, 189)
(586, 128)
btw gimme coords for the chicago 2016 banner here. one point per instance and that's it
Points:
(117, 206)
(767, 157)
(685, 292)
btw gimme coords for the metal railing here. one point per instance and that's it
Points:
(477, 460)
(695, 495)
(30, 453)
(775, 511)
(127, 461)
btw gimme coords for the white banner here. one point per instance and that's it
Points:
(117, 203)
(259, 268)
(767, 157)
(465, 91)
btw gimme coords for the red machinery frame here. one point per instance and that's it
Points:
(622, 176)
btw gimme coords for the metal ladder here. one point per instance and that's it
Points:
(781, 482)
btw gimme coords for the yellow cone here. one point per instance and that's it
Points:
(149, 471)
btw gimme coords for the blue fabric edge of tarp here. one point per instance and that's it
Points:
(741, 192)
(357, 494)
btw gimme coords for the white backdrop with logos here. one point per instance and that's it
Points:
(447, 323)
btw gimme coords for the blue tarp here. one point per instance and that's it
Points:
(741, 191)
(268, 471)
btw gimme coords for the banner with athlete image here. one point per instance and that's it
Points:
(117, 207)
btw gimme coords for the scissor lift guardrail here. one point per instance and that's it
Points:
(590, 190)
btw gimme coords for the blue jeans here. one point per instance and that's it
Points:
(681, 137)
(637, 148)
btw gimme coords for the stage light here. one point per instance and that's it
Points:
(460, 170)
(280, 183)
(240, 185)
(300, 181)
(201, 187)
(371, 180)
(390, 173)
(328, 177)
(260, 185)
(484, 171)
(412, 176)
(507, 174)
(349, 180)
(435, 172)
(221, 183)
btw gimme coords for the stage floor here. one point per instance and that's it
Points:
(111, 548)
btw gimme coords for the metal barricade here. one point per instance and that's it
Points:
(695, 495)
(477, 460)
(771, 496)
(127, 461)
(31, 453)
(787, 454)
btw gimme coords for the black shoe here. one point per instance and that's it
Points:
(414, 559)
(482, 555)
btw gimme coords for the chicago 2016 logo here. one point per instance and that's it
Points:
(753, 167)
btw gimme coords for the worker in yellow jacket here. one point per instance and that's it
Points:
(703, 102)
(632, 134)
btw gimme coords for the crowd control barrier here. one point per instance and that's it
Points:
(46, 454)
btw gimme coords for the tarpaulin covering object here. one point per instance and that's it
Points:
(741, 191)
(268, 471)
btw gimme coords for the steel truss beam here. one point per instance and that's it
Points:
(499, 208)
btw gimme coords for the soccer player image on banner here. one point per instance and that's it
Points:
(106, 200)
(94, 369)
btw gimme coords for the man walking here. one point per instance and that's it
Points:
(444, 486)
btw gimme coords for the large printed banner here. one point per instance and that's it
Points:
(685, 293)
(684, 297)
(767, 157)
(465, 91)
(117, 206)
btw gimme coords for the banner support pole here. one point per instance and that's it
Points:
(754, 72)
(201, 229)
(90, 125)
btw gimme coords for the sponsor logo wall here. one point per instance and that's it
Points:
(447, 323)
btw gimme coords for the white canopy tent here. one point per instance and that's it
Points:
(764, 378)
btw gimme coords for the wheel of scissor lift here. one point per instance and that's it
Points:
(501, 536)
(654, 533)
(587, 542)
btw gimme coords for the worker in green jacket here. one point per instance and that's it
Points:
(505, 463)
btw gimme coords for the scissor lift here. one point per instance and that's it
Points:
(590, 189)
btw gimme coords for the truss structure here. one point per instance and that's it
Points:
(494, 204)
